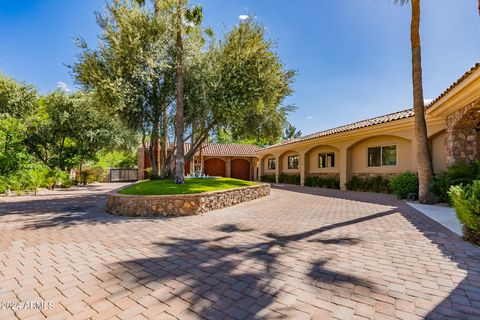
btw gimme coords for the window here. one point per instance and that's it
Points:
(271, 164)
(382, 156)
(293, 162)
(326, 160)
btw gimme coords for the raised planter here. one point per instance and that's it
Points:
(182, 205)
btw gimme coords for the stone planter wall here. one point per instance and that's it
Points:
(182, 205)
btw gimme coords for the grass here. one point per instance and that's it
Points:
(192, 185)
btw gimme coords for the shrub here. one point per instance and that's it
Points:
(374, 184)
(89, 175)
(56, 177)
(404, 184)
(455, 175)
(466, 201)
(289, 178)
(268, 178)
(323, 182)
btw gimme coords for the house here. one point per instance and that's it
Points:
(381, 146)
(224, 160)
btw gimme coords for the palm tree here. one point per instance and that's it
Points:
(179, 119)
(424, 159)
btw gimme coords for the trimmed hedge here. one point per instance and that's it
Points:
(268, 178)
(375, 184)
(404, 184)
(323, 182)
(289, 178)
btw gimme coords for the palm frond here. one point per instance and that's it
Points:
(402, 2)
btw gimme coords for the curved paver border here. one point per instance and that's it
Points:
(182, 205)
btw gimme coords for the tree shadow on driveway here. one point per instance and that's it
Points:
(463, 302)
(228, 276)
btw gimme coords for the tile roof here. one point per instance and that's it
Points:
(225, 149)
(378, 120)
(456, 83)
(228, 149)
(357, 125)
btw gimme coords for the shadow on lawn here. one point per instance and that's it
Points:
(463, 302)
(219, 278)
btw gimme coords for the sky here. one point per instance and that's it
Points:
(352, 57)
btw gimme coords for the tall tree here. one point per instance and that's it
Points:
(238, 85)
(424, 159)
(291, 132)
(132, 71)
(179, 74)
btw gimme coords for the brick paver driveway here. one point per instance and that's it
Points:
(300, 253)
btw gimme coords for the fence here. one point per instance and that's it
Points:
(120, 175)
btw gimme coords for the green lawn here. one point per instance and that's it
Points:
(192, 185)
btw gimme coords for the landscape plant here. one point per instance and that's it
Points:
(457, 174)
(404, 184)
(323, 182)
(372, 184)
(289, 178)
(466, 201)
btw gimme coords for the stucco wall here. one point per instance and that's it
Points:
(265, 165)
(359, 156)
(439, 152)
(312, 160)
(284, 163)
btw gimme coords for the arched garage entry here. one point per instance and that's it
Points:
(214, 167)
(240, 169)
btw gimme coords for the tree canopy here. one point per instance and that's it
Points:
(236, 84)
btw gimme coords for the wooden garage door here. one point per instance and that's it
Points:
(214, 167)
(240, 169)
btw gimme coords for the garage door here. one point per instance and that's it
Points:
(240, 169)
(214, 167)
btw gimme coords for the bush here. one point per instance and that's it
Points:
(89, 175)
(321, 182)
(289, 178)
(375, 184)
(57, 177)
(268, 178)
(404, 184)
(455, 175)
(466, 201)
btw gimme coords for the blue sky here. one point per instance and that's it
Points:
(352, 56)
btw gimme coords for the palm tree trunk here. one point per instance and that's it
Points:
(179, 121)
(424, 161)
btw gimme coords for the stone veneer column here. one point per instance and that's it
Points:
(461, 134)
(140, 164)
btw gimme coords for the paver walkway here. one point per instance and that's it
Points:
(301, 253)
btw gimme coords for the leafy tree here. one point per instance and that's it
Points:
(238, 85)
(424, 159)
(291, 132)
(13, 154)
(16, 99)
(69, 130)
(133, 71)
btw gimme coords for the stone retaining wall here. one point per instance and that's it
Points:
(182, 205)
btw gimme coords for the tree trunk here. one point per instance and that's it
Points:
(179, 121)
(424, 160)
